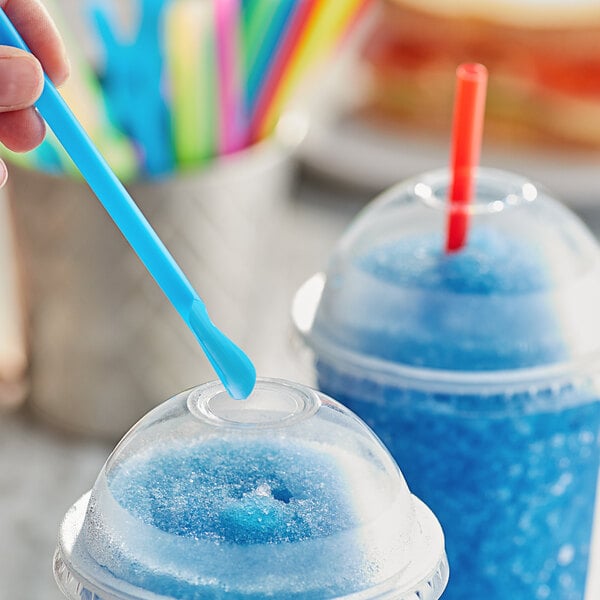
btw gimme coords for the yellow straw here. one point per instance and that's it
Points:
(326, 25)
(190, 57)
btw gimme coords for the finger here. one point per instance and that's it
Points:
(21, 79)
(36, 27)
(22, 130)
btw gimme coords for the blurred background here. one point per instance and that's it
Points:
(250, 171)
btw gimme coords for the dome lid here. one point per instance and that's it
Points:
(521, 295)
(285, 495)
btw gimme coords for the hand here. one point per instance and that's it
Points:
(21, 76)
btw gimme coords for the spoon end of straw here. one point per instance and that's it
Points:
(233, 367)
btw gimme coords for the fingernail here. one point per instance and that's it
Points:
(21, 81)
(3, 174)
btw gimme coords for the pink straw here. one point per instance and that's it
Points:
(231, 113)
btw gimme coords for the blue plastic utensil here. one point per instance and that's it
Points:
(132, 82)
(231, 365)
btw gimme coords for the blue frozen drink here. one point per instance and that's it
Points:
(285, 495)
(479, 370)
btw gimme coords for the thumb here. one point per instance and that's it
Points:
(21, 79)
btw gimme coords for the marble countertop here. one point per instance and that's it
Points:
(43, 471)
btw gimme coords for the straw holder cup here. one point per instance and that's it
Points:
(106, 346)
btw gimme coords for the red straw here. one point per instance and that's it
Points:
(467, 132)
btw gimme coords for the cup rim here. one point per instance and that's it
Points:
(304, 309)
(212, 404)
(427, 578)
(430, 188)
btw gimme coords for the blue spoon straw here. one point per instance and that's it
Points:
(231, 365)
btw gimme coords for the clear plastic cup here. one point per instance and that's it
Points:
(479, 370)
(285, 495)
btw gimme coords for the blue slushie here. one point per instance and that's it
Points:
(479, 370)
(284, 495)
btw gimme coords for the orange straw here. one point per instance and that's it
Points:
(467, 133)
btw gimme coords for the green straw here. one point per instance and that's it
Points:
(189, 41)
(258, 15)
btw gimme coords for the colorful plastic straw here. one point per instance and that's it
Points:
(83, 92)
(228, 24)
(232, 366)
(256, 21)
(265, 25)
(291, 38)
(189, 41)
(132, 76)
(467, 133)
(228, 79)
(325, 25)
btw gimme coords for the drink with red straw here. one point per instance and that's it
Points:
(479, 368)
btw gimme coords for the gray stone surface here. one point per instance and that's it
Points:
(41, 473)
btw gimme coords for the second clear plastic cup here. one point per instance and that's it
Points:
(480, 371)
(285, 495)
